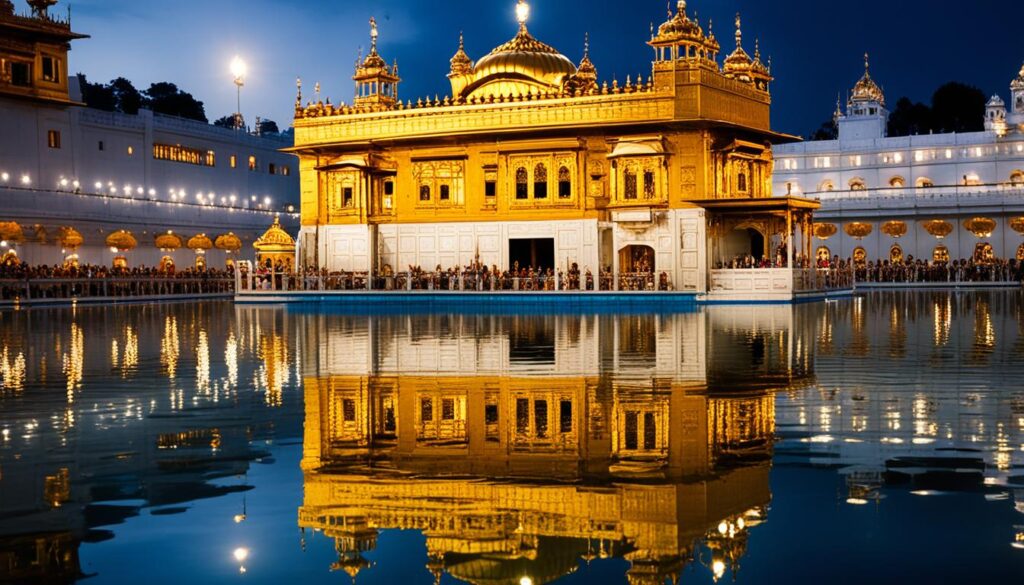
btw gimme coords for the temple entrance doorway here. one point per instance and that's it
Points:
(536, 253)
(636, 260)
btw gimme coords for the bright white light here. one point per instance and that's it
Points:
(139, 190)
(63, 182)
(5, 177)
(152, 192)
(113, 250)
(526, 581)
(238, 67)
(98, 185)
(522, 12)
(75, 184)
(266, 201)
(856, 501)
(3, 243)
(241, 554)
(232, 198)
(26, 180)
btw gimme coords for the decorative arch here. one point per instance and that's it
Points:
(564, 183)
(860, 256)
(924, 183)
(522, 183)
(1017, 177)
(896, 254)
(826, 186)
(167, 264)
(858, 184)
(10, 258)
(897, 182)
(984, 253)
(120, 262)
(200, 262)
(1020, 253)
(540, 181)
(940, 254)
(823, 254)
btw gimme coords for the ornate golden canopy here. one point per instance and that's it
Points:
(1017, 225)
(824, 231)
(69, 238)
(938, 228)
(122, 240)
(981, 227)
(858, 230)
(11, 232)
(275, 240)
(228, 242)
(200, 242)
(894, 229)
(169, 242)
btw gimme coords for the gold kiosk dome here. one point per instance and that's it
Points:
(276, 245)
(522, 66)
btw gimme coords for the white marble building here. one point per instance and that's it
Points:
(66, 167)
(905, 192)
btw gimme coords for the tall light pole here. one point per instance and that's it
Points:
(238, 70)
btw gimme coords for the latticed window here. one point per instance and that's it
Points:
(540, 182)
(741, 182)
(564, 183)
(649, 188)
(630, 185)
(424, 192)
(522, 183)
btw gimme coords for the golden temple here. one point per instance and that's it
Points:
(534, 160)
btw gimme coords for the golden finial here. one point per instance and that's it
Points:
(867, 63)
(522, 14)
(739, 31)
(298, 95)
(316, 90)
(757, 48)
(586, 45)
(374, 33)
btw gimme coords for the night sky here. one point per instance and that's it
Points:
(817, 46)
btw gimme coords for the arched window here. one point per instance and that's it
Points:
(564, 183)
(827, 186)
(200, 262)
(649, 188)
(941, 254)
(1020, 253)
(1017, 178)
(857, 184)
(522, 183)
(897, 182)
(924, 183)
(741, 183)
(167, 264)
(984, 253)
(424, 192)
(629, 182)
(823, 254)
(540, 181)
(896, 254)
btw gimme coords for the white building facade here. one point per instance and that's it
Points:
(936, 197)
(68, 169)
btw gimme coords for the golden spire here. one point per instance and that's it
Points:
(298, 95)
(461, 63)
(866, 89)
(374, 33)
(739, 32)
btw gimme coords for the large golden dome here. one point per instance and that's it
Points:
(521, 66)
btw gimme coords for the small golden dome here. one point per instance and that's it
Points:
(679, 26)
(461, 63)
(275, 239)
(1018, 84)
(866, 89)
(739, 63)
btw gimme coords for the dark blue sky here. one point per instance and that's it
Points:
(816, 46)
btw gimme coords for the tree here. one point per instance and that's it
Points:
(165, 98)
(827, 131)
(910, 119)
(957, 107)
(129, 100)
(97, 95)
(225, 122)
(268, 127)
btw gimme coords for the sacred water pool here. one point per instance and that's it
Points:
(857, 441)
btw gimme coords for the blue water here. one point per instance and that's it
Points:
(876, 439)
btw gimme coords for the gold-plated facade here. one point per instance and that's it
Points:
(526, 135)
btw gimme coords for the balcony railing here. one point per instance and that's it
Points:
(938, 196)
(452, 282)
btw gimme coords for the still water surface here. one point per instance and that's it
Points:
(878, 439)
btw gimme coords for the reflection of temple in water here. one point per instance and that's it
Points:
(598, 437)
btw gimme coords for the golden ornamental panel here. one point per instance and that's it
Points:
(981, 227)
(122, 240)
(1017, 224)
(169, 242)
(858, 230)
(938, 228)
(69, 238)
(11, 232)
(200, 242)
(824, 231)
(894, 229)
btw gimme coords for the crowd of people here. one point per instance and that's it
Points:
(911, 270)
(24, 281)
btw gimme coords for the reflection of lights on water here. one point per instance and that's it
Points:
(856, 501)
(718, 568)
(526, 581)
(923, 441)
(926, 493)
